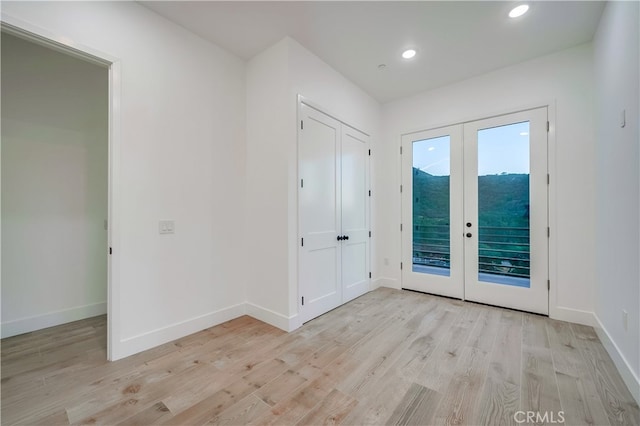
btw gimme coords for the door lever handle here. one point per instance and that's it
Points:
(345, 237)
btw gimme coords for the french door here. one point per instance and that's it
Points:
(333, 208)
(474, 211)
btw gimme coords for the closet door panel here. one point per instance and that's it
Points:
(319, 204)
(355, 213)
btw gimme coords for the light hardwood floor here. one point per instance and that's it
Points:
(389, 357)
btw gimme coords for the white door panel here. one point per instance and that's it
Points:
(506, 257)
(319, 200)
(320, 272)
(355, 213)
(432, 250)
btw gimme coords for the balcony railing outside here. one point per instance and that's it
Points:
(431, 246)
(501, 250)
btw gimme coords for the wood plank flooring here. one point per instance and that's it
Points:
(388, 357)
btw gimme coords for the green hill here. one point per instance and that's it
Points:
(503, 206)
(503, 199)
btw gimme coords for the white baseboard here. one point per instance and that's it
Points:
(624, 368)
(575, 316)
(385, 282)
(272, 318)
(51, 319)
(142, 342)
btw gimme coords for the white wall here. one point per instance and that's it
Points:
(618, 185)
(266, 185)
(564, 78)
(54, 187)
(181, 157)
(274, 79)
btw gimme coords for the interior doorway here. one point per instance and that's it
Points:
(475, 211)
(55, 184)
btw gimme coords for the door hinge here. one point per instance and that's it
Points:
(400, 265)
(301, 124)
(401, 150)
(302, 300)
(400, 188)
(302, 242)
(369, 234)
(369, 274)
(369, 193)
(400, 227)
(548, 179)
(548, 284)
(548, 126)
(110, 250)
(301, 183)
(369, 152)
(548, 231)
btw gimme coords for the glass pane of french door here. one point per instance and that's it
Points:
(431, 216)
(503, 205)
(505, 185)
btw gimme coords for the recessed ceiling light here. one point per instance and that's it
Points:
(409, 53)
(518, 11)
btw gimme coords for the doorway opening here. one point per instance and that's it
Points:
(475, 211)
(56, 181)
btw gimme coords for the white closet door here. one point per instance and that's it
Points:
(319, 212)
(355, 213)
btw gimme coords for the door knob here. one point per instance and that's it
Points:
(468, 234)
(468, 224)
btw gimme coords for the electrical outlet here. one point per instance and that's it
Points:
(625, 319)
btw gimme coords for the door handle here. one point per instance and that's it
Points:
(469, 235)
(468, 224)
(345, 237)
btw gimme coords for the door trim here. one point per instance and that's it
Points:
(61, 43)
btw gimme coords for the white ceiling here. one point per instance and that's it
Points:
(454, 40)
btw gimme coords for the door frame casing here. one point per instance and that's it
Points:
(555, 311)
(66, 45)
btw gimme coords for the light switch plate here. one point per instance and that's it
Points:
(166, 227)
